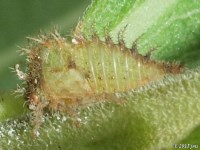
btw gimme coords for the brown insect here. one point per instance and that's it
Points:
(63, 75)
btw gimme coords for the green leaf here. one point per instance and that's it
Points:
(11, 106)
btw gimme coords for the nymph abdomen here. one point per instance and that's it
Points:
(63, 74)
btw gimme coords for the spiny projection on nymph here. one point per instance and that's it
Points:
(63, 75)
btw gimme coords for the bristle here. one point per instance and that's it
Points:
(77, 32)
(149, 53)
(56, 35)
(20, 91)
(40, 41)
(108, 40)
(23, 51)
(12, 69)
(42, 36)
(55, 32)
(121, 41)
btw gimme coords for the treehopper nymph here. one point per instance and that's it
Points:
(63, 75)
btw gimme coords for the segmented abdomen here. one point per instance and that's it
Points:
(96, 67)
(110, 68)
(68, 73)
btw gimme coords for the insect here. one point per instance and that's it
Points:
(75, 73)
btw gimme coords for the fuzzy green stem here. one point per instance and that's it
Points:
(155, 116)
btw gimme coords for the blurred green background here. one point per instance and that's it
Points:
(22, 18)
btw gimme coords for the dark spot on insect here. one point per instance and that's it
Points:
(71, 64)
(124, 78)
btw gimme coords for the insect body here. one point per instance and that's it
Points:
(76, 73)
(82, 72)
